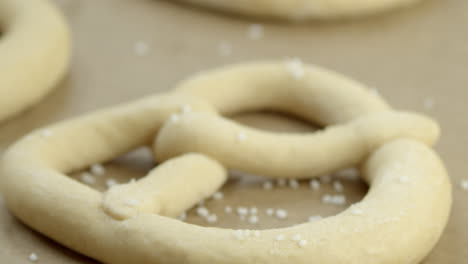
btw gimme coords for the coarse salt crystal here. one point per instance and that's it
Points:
(429, 103)
(33, 257)
(253, 210)
(351, 174)
(46, 133)
(228, 209)
(174, 118)
(356, 211)
(111, 182)
(270, 211)
(182, 217)
(255, 31)
(334, 199)
(294, 184)
(314, 184)
(280, 237)
(281, 214)
(218, 195)
(242, 211)
(203, 212)
(241, 136)
(87, 178)
(281, 182)
(314, 218)
(212, 219)
(295, 68)
(253, 219)
(338, 186)
(268, 185)
(97, 169)
(302, 243)
(464, 184)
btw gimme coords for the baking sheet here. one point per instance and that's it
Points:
(416, 58)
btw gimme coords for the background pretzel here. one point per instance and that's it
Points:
(303, 9)
(127, 224)
(34, 53)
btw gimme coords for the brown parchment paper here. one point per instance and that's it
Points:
(417, 58)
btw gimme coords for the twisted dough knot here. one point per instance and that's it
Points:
(34, 53)
(408, 183)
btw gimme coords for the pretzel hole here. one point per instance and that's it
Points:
(276, 122)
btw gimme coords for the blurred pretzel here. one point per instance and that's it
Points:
(298, 10)
(34, 53)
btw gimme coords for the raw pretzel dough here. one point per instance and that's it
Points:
(303, 9)
(34, 53)
(399, 220)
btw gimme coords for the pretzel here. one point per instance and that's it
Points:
(398, 221)
(298, 10)
(34, 53)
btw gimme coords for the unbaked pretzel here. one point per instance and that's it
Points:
(398, 221)
(34, 53)
(303, 9)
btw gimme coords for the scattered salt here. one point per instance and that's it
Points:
(255, 31)
(203, 212)
(242, 211)
(302, 243)
(294, 184)
(253, 219)
(87, 178)
(111, 182)
(314, 184)
(268, 185)
(270, 211)
(314, 218)
(212, 219)
(218, 196)
(338, 186)
(295, 68)
(281, 214)
(97, 169)
(33, 257)
(464, 184)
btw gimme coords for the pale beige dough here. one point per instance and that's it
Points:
(34, 53)
(399, 220)
(298, 10)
